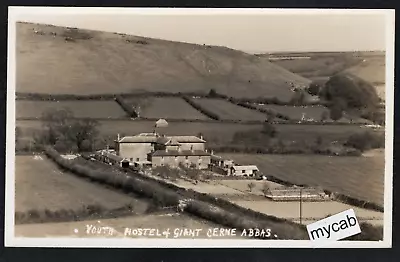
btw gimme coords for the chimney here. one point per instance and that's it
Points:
(212, 152)
(118, 137)
(201, 137)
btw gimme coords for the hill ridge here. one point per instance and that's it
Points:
(53, 59)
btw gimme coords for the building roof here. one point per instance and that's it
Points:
(138, 139)
(154, 138)
(180, 153)
(163, 140)
(252, 167)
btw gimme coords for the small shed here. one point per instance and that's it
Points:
(250, 170)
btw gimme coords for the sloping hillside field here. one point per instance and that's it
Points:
(96, 62)
(228, 111)
(164, 107)
(80, 109)
(40, 184)
(358, 177)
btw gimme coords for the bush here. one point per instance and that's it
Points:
(269, 129)
(356, 92)
(366, 140)
(368, 233)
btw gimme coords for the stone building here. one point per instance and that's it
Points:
(163, 149)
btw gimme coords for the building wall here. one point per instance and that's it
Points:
(173, 161)
(135, 151)
(240, 173)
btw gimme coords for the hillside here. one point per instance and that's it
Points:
(62, 60)
(372, 69)
(369, 66)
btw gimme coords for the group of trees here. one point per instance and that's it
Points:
(66, 133)
(347, 93)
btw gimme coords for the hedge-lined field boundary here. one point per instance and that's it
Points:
(162, 195)
(336, 196)
(201, 109)
(88, 212)
(129, 110)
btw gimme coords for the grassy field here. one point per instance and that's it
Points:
(325, 64)
(157, 221)
(237, 192)
(311, 211)
(228, 111)
(213, 132)
(80, 109)
(358, 177)
(39, 184)
(98, 62)
(165, 107)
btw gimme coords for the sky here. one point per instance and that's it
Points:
(253, 33)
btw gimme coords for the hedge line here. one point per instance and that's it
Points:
(283, 150)
(126, 107)
(158, 191)
(335, 196)
(198, 107)
(54, 97)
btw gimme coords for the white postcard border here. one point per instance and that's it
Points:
(15, 13)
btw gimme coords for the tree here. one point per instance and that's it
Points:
(319, 141)
(266, 190)
(298, 98)
(269, 129)
(67, 133)
(336, 113)
(313, 89)
(17, 134)
(212, 93)
(324, 116)
(251, 185)
(356, 92)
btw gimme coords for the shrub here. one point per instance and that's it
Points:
(366, 140)
(356, 92)
(269, 129)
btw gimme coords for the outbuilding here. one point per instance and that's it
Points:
(250, 171)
